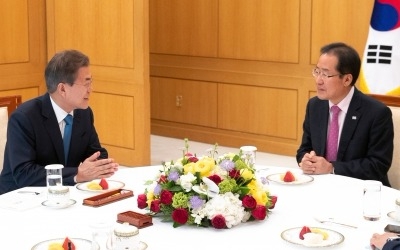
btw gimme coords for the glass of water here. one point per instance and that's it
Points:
(54, 175)
(372, 200)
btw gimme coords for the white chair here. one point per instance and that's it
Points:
(394, 171)
(7, 105)
(3, 133)
(393, 102)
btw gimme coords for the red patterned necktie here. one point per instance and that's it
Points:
(333, 135)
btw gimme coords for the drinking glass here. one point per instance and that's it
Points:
(249, 154)
(372, 200)
(100, 235)
(54, 175)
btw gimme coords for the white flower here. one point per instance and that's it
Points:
(186, 181)
(227, 205)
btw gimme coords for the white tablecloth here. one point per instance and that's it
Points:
(28, 222)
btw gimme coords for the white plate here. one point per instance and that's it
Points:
(52, 204)
(292, 235)
(300, 179)
(111, 186)
(393, 216)
(79, 243)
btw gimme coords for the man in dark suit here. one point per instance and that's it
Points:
(36, 130)
(364, 147)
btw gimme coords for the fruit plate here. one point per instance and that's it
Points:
(292, 235)
(300, 179)
(78, 242)
(111, 186)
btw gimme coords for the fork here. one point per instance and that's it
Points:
(331, 220)
(28, 192)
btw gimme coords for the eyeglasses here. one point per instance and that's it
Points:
(88, 83)
(317, 72)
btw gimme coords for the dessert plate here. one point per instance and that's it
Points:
(300, 179)
(78, 242)
(111, 186)
(292, 235)
(57, 205)
(393, 216)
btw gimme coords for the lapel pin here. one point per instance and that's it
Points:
(354, 117)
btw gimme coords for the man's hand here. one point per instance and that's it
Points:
(313, 164)
(94, 168)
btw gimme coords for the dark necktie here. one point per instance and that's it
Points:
(333, 135)
(67, 135)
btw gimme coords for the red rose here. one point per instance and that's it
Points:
(274, 199)
(260, 212)
(180, 215)
(155, 206)
(215, 178)
(166, 197)
(193, 159)
(249, 202)
(142, 201)
(218, 222)
(234, 173)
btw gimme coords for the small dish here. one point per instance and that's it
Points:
(78, 242)
(392, 215)
(58, 205)
(111, 186)
(292, 235)
(300, 179)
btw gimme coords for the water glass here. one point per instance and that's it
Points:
(372, 200)
(249, 154)
(54, 175)
(100, 235)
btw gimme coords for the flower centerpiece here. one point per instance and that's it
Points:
(221, 192)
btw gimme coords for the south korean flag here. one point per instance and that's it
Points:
(380, 70)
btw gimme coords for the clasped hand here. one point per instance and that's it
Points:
(94, 168)
(313, 164)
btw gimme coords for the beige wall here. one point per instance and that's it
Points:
(239, 72)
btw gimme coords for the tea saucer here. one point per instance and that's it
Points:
(393, 216)
(58, 205)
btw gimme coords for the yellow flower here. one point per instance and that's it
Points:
(205, 166)
(150, 198)
(189, 168)
(247, 174)
(256, 190)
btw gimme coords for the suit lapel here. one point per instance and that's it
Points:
(49, 119)
(350, 124)
(323, 114)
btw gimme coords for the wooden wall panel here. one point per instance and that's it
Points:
(266, 51)
(106, 107)
(23, 43)
(190, 102)
(114, 34)
(103, 29)
(184, 27)
(264, 30)
(340, 21)
(258, 110)
(26, 93)
(15, 31)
